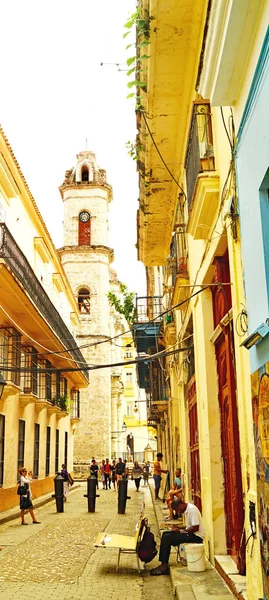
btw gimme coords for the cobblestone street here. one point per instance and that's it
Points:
(57, 559)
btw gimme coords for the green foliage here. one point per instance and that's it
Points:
(125, 307)
(62, 401)
(133, 149)
(142, 28)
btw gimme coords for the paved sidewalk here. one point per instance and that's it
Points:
(56, 559)
(187, 585)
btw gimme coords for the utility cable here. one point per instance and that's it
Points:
(146, 358)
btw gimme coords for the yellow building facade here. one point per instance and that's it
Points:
(193, 90)
(40, 360)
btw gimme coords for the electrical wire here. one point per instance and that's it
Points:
(146, 358)
(109, 339)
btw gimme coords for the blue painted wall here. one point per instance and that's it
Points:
(253, 177)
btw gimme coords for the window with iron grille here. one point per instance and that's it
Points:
(48, 452)
(200, 151)
(59, 390)
(48, 379)
(36, 450)
(10, 354)
(57, 440)
(75, 398)
(65, 447)
(29, 362)
(63, 386)
(21, 443)
(2, 448)
(41, 379)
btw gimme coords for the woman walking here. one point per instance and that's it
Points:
(26, 499)
(137, 474)
(113, 474)
(103, 478)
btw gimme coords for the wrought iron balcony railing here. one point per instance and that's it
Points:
(200, 150)
(13, 256)
(148, 308)
(177, 262)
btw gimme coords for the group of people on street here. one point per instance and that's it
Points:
(193, 530)
(191, 533)
(113, 472)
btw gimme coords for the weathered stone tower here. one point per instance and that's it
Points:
(86, 257)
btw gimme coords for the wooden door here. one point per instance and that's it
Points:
(230, 446)
(194, 445)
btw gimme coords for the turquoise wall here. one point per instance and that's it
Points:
(252, 170)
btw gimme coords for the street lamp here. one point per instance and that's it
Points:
(2, 385)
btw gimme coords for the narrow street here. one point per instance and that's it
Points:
(56, 559)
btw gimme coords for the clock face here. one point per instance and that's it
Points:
(84, 216)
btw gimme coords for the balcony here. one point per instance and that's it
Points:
(202, 181)
(146, 331)
(148, 308)
(75, 406)
(170, 74)
(21, 269)
(181, 282)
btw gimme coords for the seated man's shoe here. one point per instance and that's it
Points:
(160, 571)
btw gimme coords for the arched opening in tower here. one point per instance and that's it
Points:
(84, 301)
(85, 174)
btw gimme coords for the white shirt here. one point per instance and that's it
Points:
(193, 517)
(26, 480)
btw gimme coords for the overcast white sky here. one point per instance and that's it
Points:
(55, 94)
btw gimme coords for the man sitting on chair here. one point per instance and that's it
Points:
(175, 492)
(192, 533)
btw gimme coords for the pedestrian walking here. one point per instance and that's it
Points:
(137, 474)
(68, 481)
(113, 474)
(26, 499)
(107, 471)
(146, 471)
(94, 470)
(102, 470)
(120, 470)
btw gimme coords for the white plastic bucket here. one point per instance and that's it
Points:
(195, 555)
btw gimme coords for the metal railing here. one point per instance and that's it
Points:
(10, 251)
(177, 262)
(200, 151)
(148, 308)
(75, 408)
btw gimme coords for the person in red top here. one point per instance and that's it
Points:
(107, 471)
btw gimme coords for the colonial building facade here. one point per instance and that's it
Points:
(203, 227)
(40, 361)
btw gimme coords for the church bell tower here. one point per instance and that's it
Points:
(86, 259)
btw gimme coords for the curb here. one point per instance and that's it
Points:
(16, 513)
